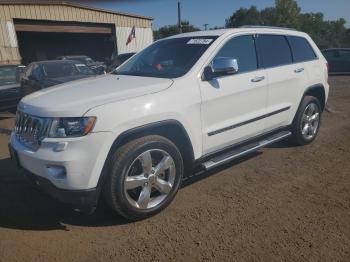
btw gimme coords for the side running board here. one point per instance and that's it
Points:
(236, 153)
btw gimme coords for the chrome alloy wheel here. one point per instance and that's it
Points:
(149, 179)
(310, 121)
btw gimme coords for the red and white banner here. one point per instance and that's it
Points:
(132, 35)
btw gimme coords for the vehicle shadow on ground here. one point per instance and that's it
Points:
(199, 174)
(24, 207)
(282, 144)
(5, 117)
(9, 110)
(7, 114)
(5, 131)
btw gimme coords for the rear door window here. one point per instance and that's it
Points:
(275, 50)
(241, 48)
(301, 49)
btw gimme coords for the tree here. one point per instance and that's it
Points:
(313, 24)
(347, 38)
(269, 16)
(170, 30)
(286, 13)
(244, 16)
(324, 33)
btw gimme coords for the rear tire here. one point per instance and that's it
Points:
(307, 121)
(144, 178)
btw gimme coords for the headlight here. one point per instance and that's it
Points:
(71, 126)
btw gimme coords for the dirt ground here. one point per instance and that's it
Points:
(281, 204)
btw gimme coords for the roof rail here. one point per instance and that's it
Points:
(267, 27)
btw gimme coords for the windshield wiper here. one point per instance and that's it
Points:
(127, 74)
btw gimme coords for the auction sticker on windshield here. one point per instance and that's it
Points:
(199, 41)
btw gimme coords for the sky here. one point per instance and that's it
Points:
(214, 12)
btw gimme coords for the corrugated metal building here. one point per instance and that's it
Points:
(44, 30)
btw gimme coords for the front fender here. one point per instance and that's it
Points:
(170, 104)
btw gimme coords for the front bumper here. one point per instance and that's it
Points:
(81, 159)
(82, 200)
(70, 163)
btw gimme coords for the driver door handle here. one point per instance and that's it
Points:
(257, 79)
(299, 70)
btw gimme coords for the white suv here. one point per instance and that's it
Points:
(195, 99)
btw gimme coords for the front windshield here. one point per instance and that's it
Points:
(57, 70)
(169, 58)
(8, 75)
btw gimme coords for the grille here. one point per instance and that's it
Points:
(30, 130)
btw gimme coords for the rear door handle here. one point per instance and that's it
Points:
(257, 79)
(299, 70)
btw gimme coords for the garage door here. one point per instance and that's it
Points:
(45, 40)
(56, 27)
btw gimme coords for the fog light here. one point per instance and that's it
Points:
(58, 172)
(61, 146)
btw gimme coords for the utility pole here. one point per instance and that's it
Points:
(179, 15)
(205, 27)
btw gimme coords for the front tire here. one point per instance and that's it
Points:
(144, 178)
(307, 121)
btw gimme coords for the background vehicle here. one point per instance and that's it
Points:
(10, 92)
(338, 60)
(117, 61)
(40, 75)
(97, 67)
(196, 99)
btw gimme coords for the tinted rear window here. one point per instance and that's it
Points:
(275, 50)
(301, 49)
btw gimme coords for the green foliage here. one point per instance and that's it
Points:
(170, 30)
(325, 33)
(286, 13)
(244, 16)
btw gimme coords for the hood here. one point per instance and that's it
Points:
(77, 97)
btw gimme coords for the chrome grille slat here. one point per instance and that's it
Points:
(30, 130)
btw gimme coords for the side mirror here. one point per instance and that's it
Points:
(221, 66)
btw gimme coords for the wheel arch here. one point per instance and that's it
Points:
(317, 91)
(170, 129)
